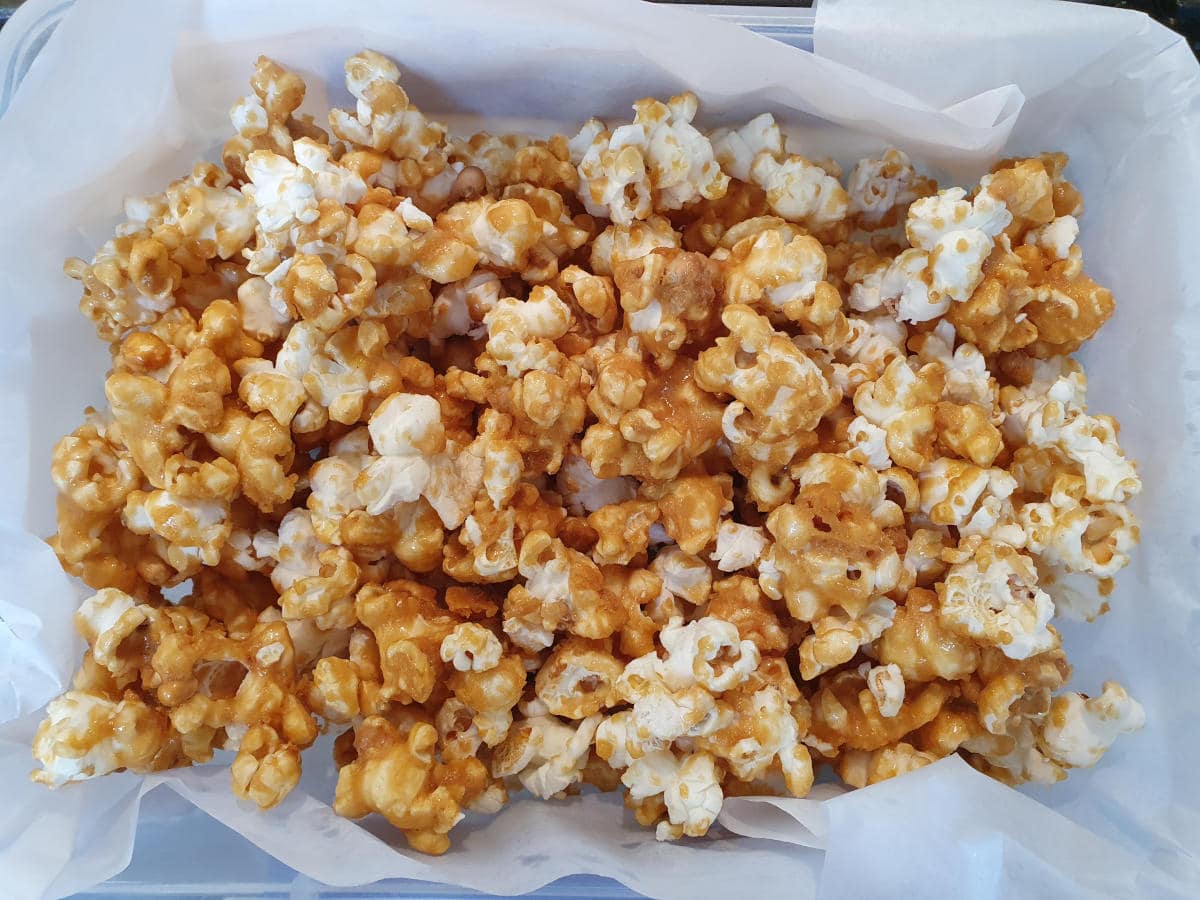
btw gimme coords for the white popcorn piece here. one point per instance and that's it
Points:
(931, 219)
(1091, 441)
(493, 727)
(455, 724)
(800, 191)
(240, 548)
(500, 558)
(369, 67)
(249, 117)
(455, 476)
(693, 798)
(471, 648)
(105, 620)
(547, 755)
(520, 332)
(330, 180)
(868, 444)
(999, 602)
(464, 731)
(389, 481)
(583, 141)
(967, 377)
(877, 186)
(1050, 414)
(399, 128)
(1097, 539)
(683, 575)
(958, 259)
(690, 787)
(550, 583)
(663, 712)
(294, 549)
(866, 286)
(101, 612)
(584, 493)
(333, 496)
(680, 159)
(659, 162)
(223, 215)
(620, 243)
(951, 237)
(1056, 394)
(1079, 730)
(738, 546)
(874, 340)
(906, 286)
(974, 500)
(708, 652)
(737, 148)
(886, 685)
(201, 209)
(503, 467)
(618, 742)
(460, 307)
(407, 431)
(1056, 237)
(406, 424)
(283, 193)
(882, 408)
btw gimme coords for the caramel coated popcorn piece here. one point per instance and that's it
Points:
(409, 630)
(858, 768)
(84, 735)
(399, 777)
(832, 546)
(669, 299)
(651, 424)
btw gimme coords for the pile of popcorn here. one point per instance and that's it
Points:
(665, 462)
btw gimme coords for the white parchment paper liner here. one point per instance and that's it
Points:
(127, 95)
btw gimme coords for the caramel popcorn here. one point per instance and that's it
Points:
(666, 462)
(858, 768)
(399, 776)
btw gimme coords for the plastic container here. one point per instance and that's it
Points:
(177, 844)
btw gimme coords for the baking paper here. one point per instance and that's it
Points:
(127, 95)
